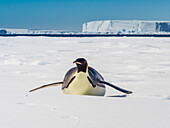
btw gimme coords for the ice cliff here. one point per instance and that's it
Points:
(127, 27)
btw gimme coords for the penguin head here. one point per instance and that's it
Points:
(81, 64)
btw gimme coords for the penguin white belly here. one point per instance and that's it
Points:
(81, 86)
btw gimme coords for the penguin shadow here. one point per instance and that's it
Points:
(118, 96)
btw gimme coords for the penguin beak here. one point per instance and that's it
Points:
(77, 62)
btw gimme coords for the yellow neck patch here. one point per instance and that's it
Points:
(87, 69)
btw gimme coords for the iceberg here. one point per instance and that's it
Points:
(127, 27)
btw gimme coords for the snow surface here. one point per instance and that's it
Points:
(127, 27)
(141, 65)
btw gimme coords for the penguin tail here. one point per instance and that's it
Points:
(115, 87)
(47, 85)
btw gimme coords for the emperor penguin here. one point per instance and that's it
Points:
(83, 80)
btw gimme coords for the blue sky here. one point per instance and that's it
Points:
(71, 14)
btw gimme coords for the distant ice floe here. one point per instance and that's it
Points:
(4, 31)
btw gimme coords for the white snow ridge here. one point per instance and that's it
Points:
(141, 65)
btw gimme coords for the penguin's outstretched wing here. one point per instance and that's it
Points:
(68, 77)
(115, 87)
(47, 85)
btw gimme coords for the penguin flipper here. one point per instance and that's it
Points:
(115, 87)
(91, 82)
(47, 85)
(70, 81)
